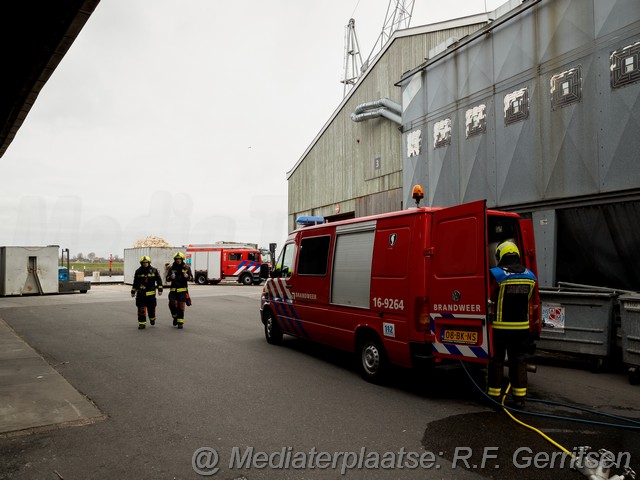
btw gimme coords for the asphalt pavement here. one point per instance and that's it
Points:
(444, 413)
(34, 396)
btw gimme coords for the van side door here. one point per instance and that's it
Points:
(458, 285)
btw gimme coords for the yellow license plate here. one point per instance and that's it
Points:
(459, 336)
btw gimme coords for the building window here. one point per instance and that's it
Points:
(476, 120)
(442, 133)
(516, 106)
(566, 88)
(625, 65)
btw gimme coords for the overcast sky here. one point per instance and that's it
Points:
(180, 119)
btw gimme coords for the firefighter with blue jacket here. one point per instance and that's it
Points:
(512, 287)
(146, 280)
(179, 274)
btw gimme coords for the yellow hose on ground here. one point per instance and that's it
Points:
(539, 432)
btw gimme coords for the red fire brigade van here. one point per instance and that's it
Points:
(400, 288)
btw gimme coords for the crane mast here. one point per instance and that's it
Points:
(398, 16)
(352, 57)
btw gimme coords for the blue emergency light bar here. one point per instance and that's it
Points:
(305, 221)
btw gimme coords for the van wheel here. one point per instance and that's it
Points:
(373, 360)
(247, 279)
(201, 279)
(272, 331)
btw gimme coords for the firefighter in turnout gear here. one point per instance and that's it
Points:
(146, 280)
(512, 286)
(179, 275)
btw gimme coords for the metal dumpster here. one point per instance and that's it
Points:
(630, 329)
(578, 322)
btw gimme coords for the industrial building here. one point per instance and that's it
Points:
(534, 108)
(354, 168)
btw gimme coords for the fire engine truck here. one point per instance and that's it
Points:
(211, 263)
(405, 288)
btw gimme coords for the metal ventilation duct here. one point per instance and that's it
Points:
(380, 108)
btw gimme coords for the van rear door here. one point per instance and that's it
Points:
(529, 259)
(457, 293)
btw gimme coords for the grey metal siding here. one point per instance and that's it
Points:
(557, 150)
(560, 115)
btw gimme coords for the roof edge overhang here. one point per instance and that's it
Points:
(72, 19)
(491, 24)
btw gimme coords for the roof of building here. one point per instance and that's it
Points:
(34, 37)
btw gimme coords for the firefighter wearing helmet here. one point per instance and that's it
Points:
(179, 274)
(512, 286)
(146, 280)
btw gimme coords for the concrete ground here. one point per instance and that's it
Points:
(33, 395)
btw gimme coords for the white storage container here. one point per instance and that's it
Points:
(160, 257)
(29, 270)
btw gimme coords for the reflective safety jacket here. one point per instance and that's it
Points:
(180, 283)
(513, 287)
(146, 281)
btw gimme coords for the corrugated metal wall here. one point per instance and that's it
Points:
(537, 113)
(550, 123)
(358, 166)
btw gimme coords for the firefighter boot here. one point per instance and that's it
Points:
(495, 402)
(175, 320)
(141, 325)
(180, 322)
(495, 397)
(517, 402)
(152, 321)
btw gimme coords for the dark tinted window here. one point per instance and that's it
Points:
(314, 253)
